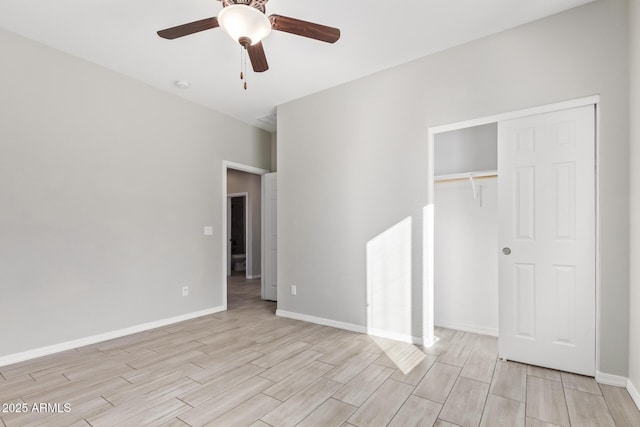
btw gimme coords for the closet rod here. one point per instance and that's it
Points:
(465, 178)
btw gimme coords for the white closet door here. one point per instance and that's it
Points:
(270, 237)
(547, 239)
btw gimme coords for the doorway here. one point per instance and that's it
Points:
(238, 233)
(241, 203)
(466, 229)
(547, 257)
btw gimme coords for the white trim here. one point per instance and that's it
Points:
(269, 185)
(428, 255)
(322, 321)
(493, 332)
(395, 336)
(428, 244)
(541, 109)
(466, 175)
(248, 235)
(262, 194)
(609, 379)
(633, 391)
(256, 276)
(81, 342)
(349, 327)
(598, 234)
(245, 168)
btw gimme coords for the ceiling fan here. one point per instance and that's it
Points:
(246, 23)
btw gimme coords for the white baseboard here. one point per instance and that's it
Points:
(468, 328)
(430, 342)
(257, 276)
(81, 342)
(608, 379)
(350, 327)
(322, 321)
(633, 391)
(395, 336)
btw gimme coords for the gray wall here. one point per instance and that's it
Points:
(240, 182)
(361, 151)
(466, 150)
(105, 187)
(274, 152)
(634, 321)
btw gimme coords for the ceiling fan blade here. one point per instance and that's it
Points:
(258, 58)
(304, 28)
(190, 28)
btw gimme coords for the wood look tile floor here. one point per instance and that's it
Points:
(247, 367)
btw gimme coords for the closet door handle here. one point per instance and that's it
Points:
(506, 251)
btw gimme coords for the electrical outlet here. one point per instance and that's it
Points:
(293, 289)
(185, 291)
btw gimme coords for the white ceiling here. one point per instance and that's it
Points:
(376, 34)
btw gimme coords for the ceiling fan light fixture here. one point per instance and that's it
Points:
(242, 21)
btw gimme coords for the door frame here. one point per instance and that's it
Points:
(226, 165)
(266, 197)
(429, 337)
(247, 232)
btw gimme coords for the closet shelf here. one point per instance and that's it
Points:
(466, 176)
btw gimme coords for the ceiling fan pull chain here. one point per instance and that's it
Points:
(245, 68)
(241, 71)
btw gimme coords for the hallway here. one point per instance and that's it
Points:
(244, 295)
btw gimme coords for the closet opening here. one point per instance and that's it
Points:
(466, 229)
(514, 253)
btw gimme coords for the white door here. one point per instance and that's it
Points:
(270, 240)
(546, 181)
(229, 264)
